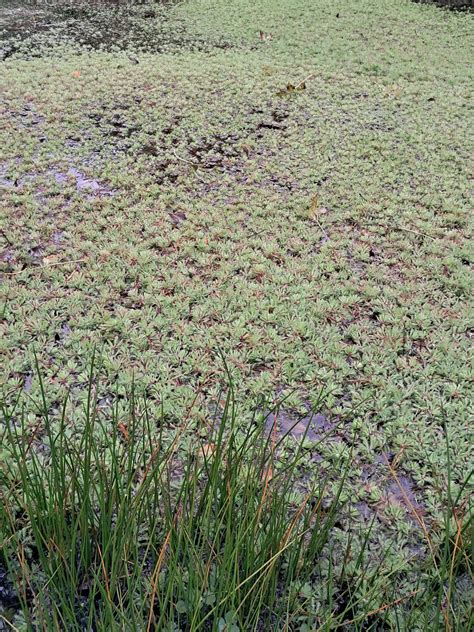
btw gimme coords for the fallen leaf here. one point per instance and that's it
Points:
(104, 255)
(177, 218)
(314, 210)
(123, 431)
(51, 259)
(290, 89)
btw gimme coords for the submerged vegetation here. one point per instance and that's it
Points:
(282, 183)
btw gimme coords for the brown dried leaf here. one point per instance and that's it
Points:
(104, 256)
(265, 36)
(50, 260)
(291, 88)
(314, 209)
(268, 70)
(122, 428)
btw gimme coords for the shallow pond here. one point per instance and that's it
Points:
(35, 28)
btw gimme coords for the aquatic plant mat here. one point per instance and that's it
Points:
(117, 521)
(280, 183)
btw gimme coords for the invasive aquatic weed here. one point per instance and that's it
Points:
(201, 233)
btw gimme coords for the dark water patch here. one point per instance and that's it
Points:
(384, 457)
(28, 116)
(34, 29)
(312, 426)
(364, 510)
(36, 254)
(401, 492)
(82, 182)
(177, 218)
(63, 333)
(9, 601)
(455, 5)
(57, 237)
(28, 382)
(6, 182)
(8, 257)
(397, 490)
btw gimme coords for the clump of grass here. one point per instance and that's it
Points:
(118, 528)
(115, 525)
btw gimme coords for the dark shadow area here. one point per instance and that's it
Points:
(456, 5)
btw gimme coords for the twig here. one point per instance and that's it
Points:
(46, 265)
(385, 607)
(414, 512)
(414, 232)
(406, 230)
(8, 623)
(402, 228)
(190, 162)
(200, 178)
(6, 237)
(321, 228)
(304, 80)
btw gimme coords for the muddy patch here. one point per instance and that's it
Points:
(5, 181)
(34, 29)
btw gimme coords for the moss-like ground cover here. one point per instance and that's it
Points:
(283, 182)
